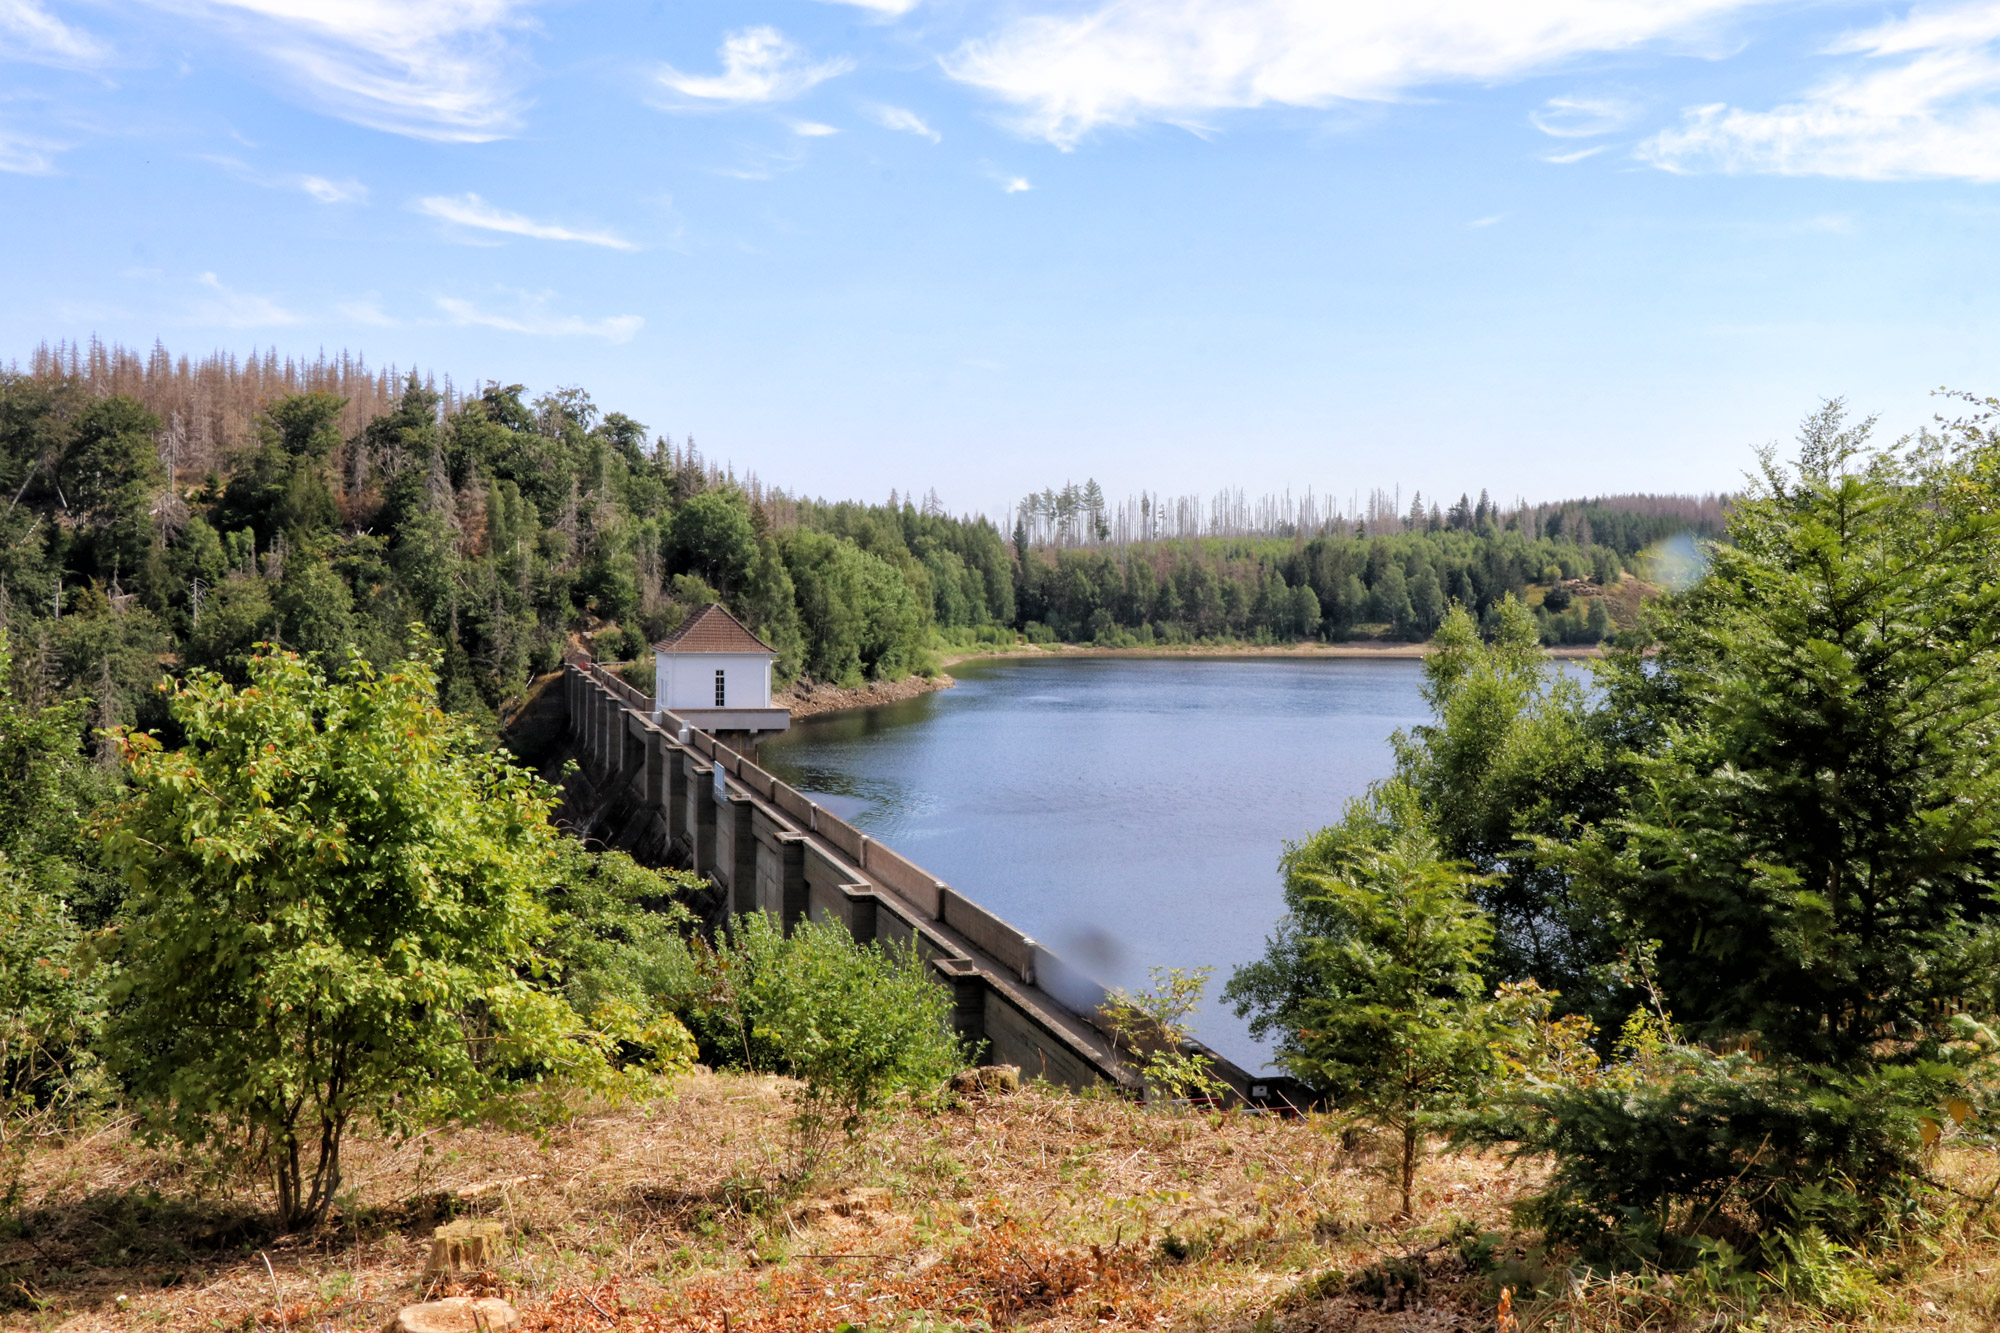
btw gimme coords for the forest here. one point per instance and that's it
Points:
(167, 513)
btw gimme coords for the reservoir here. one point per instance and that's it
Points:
(1127, 812)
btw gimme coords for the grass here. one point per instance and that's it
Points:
(1041, 1209)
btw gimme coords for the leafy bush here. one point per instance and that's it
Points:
(617, 949)
(855, 1023)
(1154, 1025)
(334, 908)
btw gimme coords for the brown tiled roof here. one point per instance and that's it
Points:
(713, 630)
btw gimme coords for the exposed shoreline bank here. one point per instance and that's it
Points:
(817, 700)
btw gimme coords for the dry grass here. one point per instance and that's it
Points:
(1041, 1208)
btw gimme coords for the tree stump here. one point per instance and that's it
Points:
(463, 1247)
(456, 1314)
(987, 1079)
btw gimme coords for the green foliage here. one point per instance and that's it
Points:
(1154, 1025)
(855, 1023)
(1372, 983)
(711, 536)
(617, 946)
(1266, 589)
(333, 915)
(1800, 852)
(1511, 753)
(1813, 828)
(50, 889)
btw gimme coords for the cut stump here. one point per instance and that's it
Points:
(456, 1314)
(463, 1247)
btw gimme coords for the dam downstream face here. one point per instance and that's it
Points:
(1128, 813)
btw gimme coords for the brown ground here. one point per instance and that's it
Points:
(806, 699)
(1041, 1209)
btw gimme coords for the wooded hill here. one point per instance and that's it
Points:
(166, 513)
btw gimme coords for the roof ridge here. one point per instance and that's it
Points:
(713, 630)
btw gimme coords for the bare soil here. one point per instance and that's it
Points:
(806, 699)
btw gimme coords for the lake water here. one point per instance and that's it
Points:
(1125, 812)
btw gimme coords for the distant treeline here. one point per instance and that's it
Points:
(1073, 515)
(161, 514)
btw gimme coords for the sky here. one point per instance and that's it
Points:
(1544, 247)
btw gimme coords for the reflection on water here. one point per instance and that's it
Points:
(1126, 812)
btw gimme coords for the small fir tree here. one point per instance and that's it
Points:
(1372, 984)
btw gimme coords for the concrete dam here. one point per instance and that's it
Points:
(673, 795)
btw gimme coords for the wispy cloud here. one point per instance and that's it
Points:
(469, 210)
(1488, 221)
(442, 70)
(1922, 102)
(348, 191)
(1126, 62)
(1576, 117)
(1564, 159)
(758, 65)
(230, 309)
(812, 129)
(29, 32)
(531, 316)
(26, 155)
(899, 118)
(1013, 184)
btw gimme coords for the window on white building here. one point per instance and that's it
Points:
(721, 693)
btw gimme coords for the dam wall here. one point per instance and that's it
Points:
(672, 794)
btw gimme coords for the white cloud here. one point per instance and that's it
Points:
(1564, 159)
(909, 122)
(349, 191)
(1124, 62)
(469, 210)
(238, 310)
(30, 32)
(1487, 222)
(439, 69)
(1581, 117)
(1014, 185)
(533, 318)
(812, 129)
(1924, 102)
(25, 155)
(886, 8)
(368, 310)
(758, 65)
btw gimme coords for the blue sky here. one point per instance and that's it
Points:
(1548, 247)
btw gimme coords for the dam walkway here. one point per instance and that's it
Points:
(767, 847)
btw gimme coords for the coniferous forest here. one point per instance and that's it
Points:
(168, 514)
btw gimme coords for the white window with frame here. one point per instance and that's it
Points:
(721, 688)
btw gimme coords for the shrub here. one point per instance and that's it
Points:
(854, 1023)
(334, 906)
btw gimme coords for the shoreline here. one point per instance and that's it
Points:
(1303, 649)
(821, 700)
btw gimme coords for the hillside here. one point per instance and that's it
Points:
(1040, 1210)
